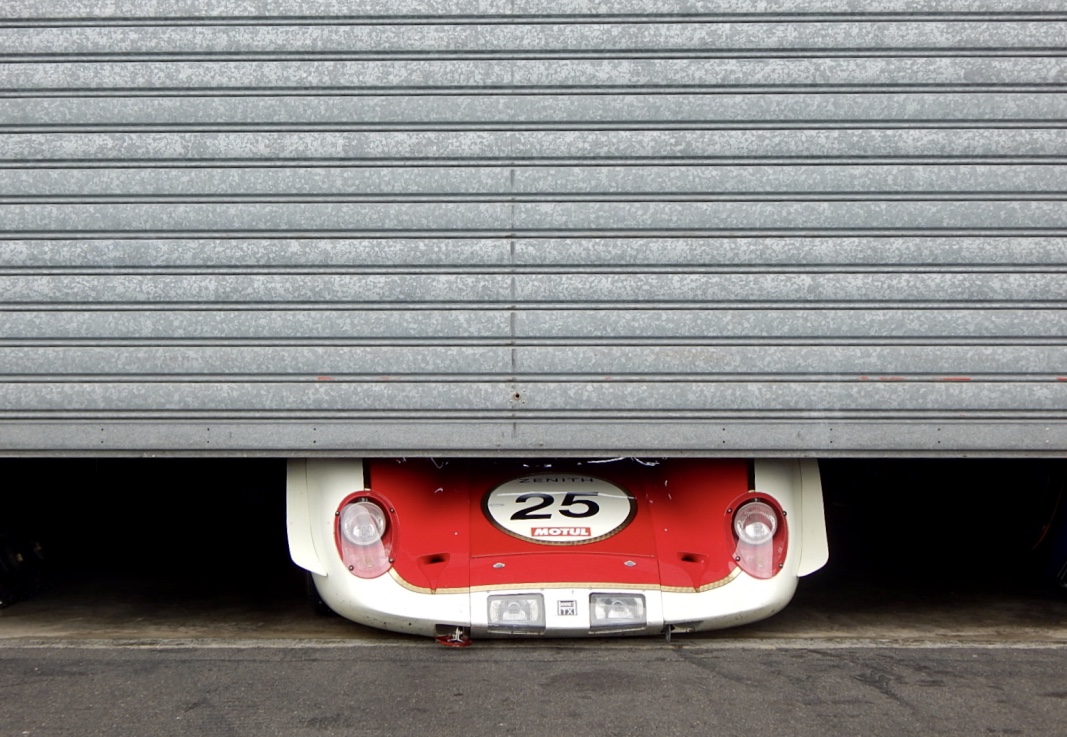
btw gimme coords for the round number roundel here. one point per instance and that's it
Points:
(559, 509)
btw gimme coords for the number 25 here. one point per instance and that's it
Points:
(570, 499)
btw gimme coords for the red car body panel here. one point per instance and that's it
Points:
(679, 538)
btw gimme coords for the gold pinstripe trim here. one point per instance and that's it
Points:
(577, 585)
(422, 589)
(706, 587)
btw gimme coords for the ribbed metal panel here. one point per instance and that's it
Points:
(797, 227)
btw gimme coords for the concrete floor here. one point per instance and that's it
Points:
(828, 609)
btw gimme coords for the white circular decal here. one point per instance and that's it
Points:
(559, 509)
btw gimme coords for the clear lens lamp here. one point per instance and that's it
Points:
(617, 612)
(755, 523)
(517, 614)
(362, 523)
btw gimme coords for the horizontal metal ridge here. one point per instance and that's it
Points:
(385, 418)
(406, 399)
(548, 197)
(459, 90)
(530, 281)
(546, 35)
(607, 39)
(171, 305)
(799, 232)
(804, 271)
(637, 161)
(356, 41)
(344, 20)
(622, 378)
(529, 110)
(528, 183)
(338, 324)
(544, 364)
(636, 341)
(804, 74)
(499, 217)
(770, 54)
(779, 125)
(458, 421)
(532, 32)
(20, 14)
(533, 436)
(531, 310)
(630, 342)
(646, 142)
(576, 253)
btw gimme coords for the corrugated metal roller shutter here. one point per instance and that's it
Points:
(795, 226)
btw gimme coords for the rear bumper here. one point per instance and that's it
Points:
(386, 603)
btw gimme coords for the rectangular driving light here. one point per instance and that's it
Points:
(517, 614)
(617, 612)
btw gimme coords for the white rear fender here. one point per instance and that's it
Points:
(815, 551)
(314, 490)
(801, 477)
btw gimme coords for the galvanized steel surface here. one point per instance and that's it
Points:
(811, 227)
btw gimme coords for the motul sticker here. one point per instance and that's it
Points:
(559, 509)
(561, 532)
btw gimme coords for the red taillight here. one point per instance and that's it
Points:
(364, 537)
(760, 536)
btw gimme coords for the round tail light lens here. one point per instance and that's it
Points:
(362, 523)
(755, 523)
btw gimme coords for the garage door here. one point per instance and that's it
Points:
(789, 227)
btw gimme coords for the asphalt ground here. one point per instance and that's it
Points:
(574, 688)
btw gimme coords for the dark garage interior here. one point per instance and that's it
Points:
(212, 531)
